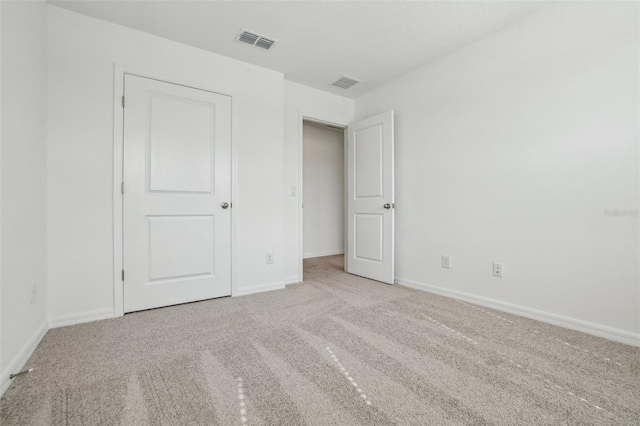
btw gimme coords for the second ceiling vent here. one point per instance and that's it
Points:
(345, 82)
(255, 39)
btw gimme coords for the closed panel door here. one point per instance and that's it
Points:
(370, 198)
(177, 187)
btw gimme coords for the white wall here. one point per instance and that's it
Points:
(82, 53)
(323, 191)
(1, 365)
(510, 150)
(23, 168)
(303, 101)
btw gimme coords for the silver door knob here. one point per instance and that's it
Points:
(225, 205)
(387, 206)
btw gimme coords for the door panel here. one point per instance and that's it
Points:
(181, 144)
(370, 227)
(168, 235)
(177, 173)
(368, 167)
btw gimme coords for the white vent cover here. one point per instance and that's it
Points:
(345, 82)
(255, 39)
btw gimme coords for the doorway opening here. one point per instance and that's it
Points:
(323, 189)
(366, 203)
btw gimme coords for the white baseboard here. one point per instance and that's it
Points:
(292, 280)
(81, 317)
(243, 291)
(23, 356)
(554, 319)
(322, 254)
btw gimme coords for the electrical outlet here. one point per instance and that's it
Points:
(269, 258)
(446, 261)
(34, 295)
(497, 269)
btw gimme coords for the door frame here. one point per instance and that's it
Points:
(304, 115)
(118, 153)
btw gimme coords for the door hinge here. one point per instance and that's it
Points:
(122, 188)
(123, 102)
(123, 275)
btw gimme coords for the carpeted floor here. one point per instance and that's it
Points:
(337, 349)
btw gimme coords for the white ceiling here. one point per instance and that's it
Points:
(319, 41)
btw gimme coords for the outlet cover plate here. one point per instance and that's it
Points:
(497, 269)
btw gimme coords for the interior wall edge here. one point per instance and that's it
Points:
(81, 317)
(322, 254)
(294, 279)
(609, 333)
(260, 288)
(24, 186)
(23, 356)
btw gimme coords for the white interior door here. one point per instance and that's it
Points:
(370, 198)
(177, 182)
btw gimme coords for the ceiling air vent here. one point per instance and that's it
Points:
(265, 43)
(255, 39)
(345, 82)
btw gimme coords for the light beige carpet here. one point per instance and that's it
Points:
(337, 349)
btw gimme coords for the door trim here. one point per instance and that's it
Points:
(304, 115)
(118, 152)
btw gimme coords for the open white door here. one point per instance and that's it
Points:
(177, 187)
(370, 198)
